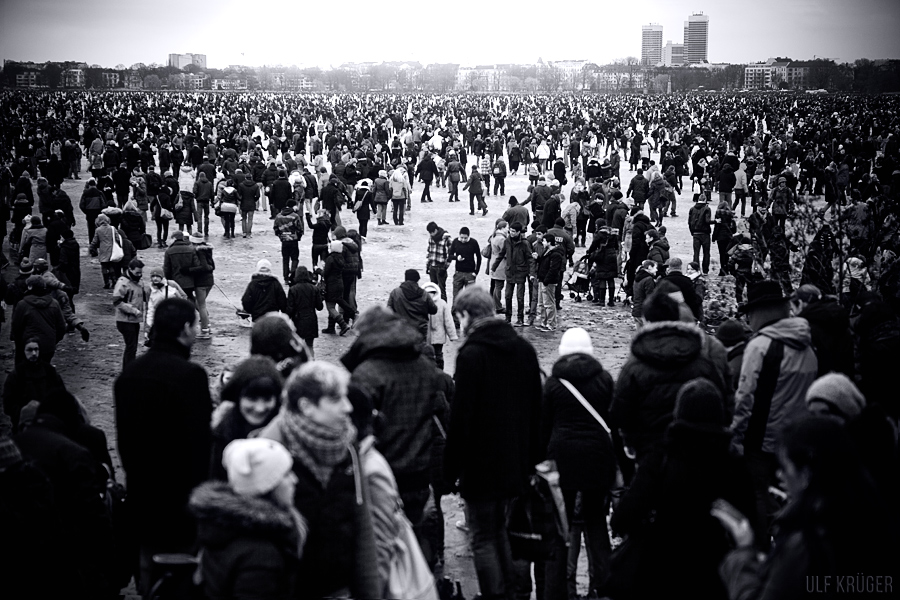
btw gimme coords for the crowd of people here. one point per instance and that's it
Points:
(742, 455)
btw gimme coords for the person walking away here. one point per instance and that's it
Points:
(303, 300)
(203, 281)
(644, 284)
(92, 202)
(441, 329)
(426, 171)
(163, 391)
(248, 194)
(289, 229)
(203, 193)
(180, 262)
(699, 218)
(778, 367)
(400, 193)
(162, 207)
(476, 190)
(492, 416)
(130, 298)
(333, 274)
(263, 294)
(723, 234)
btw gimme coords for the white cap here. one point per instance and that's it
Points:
(576, 340)
(255, 466)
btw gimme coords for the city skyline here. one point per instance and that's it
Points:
(126, 34)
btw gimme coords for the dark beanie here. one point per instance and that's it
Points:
(411, 275)
(699, 402)
(732, 332)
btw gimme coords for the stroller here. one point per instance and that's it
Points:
(579, 283)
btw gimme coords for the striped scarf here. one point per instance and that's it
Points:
(318, 447)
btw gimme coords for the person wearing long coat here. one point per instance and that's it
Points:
(584, 452)
(303, 300)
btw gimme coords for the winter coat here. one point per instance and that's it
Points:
(303, 300)
(70, 262)
(441, 328)
(516, 254)
(180, 263)
(169, 289)
(638, 189)
(517, 214)
(783, 402)
(41, 317)
(248, 193)
(249, 544)
(162, 391)
(351, 256)
(332, 272)
(34, 240)
(496, 412)
(659, 252)
(130, 297)
(583, 451)
(387, 362)
(639, 227)
(551, 264)
(686, 286)
(699, 218)
(327, 564)
(263, 294)
(92, 199)
(606, 265)
(102, 244)
(187, 214)
(656, 197)
(830, 336)
(727, 179)
(280, 192)
(725, 227)
(663, 357)
(133, 226)
(413, 304)
(684, 545)
(85, 534)
(643, 287)
(497, 270)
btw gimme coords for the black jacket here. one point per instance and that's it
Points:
(263, 294)
(551, 265)
(831, 338)
(162, 394)
(413, 304)
(496, 412)
(683, 282)
(583, 451)
(303, 300)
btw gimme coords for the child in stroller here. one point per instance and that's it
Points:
(579, 282)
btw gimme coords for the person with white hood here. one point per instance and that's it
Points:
(441, 328)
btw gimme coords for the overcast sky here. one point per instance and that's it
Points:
(112, 32)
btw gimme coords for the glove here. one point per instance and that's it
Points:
(85, 334)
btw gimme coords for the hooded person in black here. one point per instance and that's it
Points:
(412, 303)
(264, 292)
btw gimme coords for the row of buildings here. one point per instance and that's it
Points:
(693, 50)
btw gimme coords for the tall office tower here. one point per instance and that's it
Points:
(651, 44)
(696, 38)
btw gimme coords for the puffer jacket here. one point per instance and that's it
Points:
(250, 545)
(203, 277)
(263, 294)
(783, 402)
(303, 300)
(663, 357)
(180, 263)
(583, 451)
(248, 192)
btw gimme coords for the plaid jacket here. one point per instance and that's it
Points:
(438, 251)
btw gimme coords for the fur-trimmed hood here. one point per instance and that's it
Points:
(223, 515)
(667, 342)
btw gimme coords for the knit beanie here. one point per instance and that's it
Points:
(699, 402)
(732, 332)
(835, 394)
(158, 272)
(263, 267)
(576, 340)
(255, 466)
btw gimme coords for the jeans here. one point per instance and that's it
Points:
(481, 204)
(438, 355)
(228, 223)
(519, 288)
(399, 205)
(702, 240)
(534, 292)
(547, 305)
(438, 275)
(497, 293)
(594, 506)
(379, 213)
(426, 192)
(349, 279)
(130, 332)
(740, 196)
(460, 282)
(600, 286)
(318, 251)
(200, 294)
(488, 521)
(487, 184)
(454, 190)
(725, 197)
(290, 258)
(90, 215)
(203, 217)
(247, 222)
(500, 183)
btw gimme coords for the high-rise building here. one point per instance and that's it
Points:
(651, 44)
(673, 54)
(696, 38)
(180, 61)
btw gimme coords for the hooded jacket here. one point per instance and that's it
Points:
(496, 412)
(772, 392)
(664, 356)
(386, 361)
(250, 545)
(180, 262)
(38, 316)
(516, 253)
(644, 283)
(583, 451)
(263, 294)
(413, 304)
(248, 192)
(303, 300)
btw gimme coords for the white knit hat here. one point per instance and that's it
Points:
(255, 466)
(576, 340)
(264, 267)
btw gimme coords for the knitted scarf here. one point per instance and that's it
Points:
(319, 447)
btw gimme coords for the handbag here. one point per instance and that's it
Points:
(145, 242)
(165, 214)
(409, 576)
(117, 253)
(538, 516)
